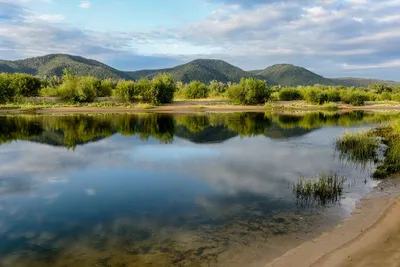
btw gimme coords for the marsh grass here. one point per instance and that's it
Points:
(360, 147)
(391, 163)
(322, 189)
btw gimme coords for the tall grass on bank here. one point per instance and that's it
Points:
(323, 189)
(391, 138)
(360, 147)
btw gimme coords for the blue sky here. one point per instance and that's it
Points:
(331, 37)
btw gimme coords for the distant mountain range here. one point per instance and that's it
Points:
(203, 70)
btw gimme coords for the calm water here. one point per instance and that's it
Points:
(163, 190)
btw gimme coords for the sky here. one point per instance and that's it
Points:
(334, 38)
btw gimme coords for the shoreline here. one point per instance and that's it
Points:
(191, 107)
(369, 237)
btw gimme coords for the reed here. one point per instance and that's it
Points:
(324, 188)
(359, 147)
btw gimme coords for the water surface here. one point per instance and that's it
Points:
(164, 190)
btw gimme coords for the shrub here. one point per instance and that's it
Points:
(25, 85)
(142, 86)
(217, 88)
(105, 88)
(86, 89)
(161, 90)
(315, 96)
(385, 96)
(125, 91)
(357, 98)
(288, 94)
(249, 91)
(396, 97)
(195, 89)
(274, 96)
(6, 91)
(333, 95)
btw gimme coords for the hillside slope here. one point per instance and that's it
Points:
(54, 64)
(204, 70)
(290, 75)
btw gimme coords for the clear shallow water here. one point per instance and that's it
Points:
(163, 190)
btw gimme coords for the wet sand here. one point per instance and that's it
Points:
(370, 237)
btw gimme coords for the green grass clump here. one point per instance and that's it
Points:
(325, 188)
(391, 162)
(358, 147)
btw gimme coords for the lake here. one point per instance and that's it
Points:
(168, 190)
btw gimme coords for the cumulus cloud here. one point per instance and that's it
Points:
(250, 34)
(85, 4)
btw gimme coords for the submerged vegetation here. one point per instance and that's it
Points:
(324, 188)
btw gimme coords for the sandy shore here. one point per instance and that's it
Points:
(195, 106)
(370, 237)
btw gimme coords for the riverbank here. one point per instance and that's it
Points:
(370, 237)
(190, 106)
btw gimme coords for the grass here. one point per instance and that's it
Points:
(359, 147)
(390, 135)
(323, 189)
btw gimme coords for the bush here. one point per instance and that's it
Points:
(357, 98)
(288, 94)
(396, 97)
(333, 95)
(249, 91)
(385, 96)
(86, 89)
(25, 85)
(195, 89)
(315, 96)
(217, 88)
(105, 88)
(125, 91)
(162, 89)
(7, 92)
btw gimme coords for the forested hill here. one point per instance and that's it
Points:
(54, 64)
(204, 70)
(290, 75)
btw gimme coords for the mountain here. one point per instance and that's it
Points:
(204, 70)
(54, 64)
(290, 75)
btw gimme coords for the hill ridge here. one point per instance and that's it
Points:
(204, 70)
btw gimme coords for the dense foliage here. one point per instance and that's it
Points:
(249, 91)
(13, 86)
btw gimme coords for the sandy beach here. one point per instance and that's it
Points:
(370, 237)
(200, 105)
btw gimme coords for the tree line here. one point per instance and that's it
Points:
(163, 89)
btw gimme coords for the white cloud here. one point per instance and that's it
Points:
(85, 4)
(386, 64)
(51, 18)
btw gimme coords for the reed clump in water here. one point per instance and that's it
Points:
(323, 189)
(391, 138)
(359, 147)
